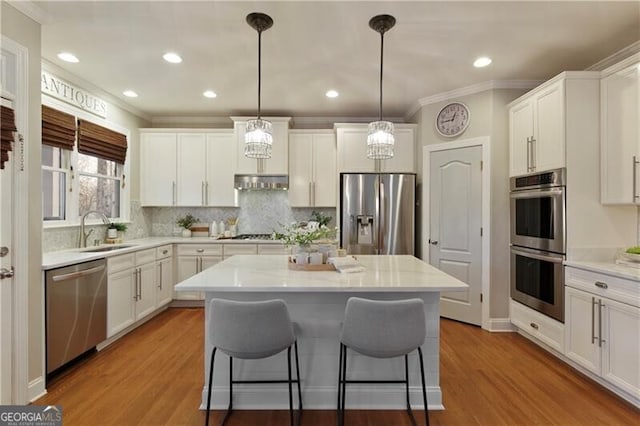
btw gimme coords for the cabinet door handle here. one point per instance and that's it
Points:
(174, 193)
(200, 250)
(533, 154)
(314, 194)
(202, 194)
(139, 283)
(528, 154)
(534, 325)
(135, 284)
(635, 179)
(206, 193)
(593, 320)
(600, 339)
(311, 193)
(160, 276)
(601, 284)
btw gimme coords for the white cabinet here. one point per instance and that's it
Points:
(542, 327)
(602, 316)
(164, 275)
(312, 168)
(352, 150)
(279, 161)
(620, 133)
(231, 249)
(158, 169)
(131, 289)
(187, 168)
(193, 259)
(537, 130)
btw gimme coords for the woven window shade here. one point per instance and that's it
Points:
(7, 129)
(101, 142)
(58, 128)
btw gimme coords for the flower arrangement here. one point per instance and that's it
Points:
(305, 235)
(186, 221)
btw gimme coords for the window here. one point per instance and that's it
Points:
(54, 182)
(99, 184)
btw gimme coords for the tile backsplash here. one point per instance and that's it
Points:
(258, 212)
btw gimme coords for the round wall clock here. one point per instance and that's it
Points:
(453, 119)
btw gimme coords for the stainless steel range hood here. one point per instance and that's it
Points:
(260, 182)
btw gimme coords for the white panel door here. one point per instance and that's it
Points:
(192, 156)
(158, 169)
(221, 161)
(621, 346)
(187, 267)
(520, 132)
(325, 175)
(455, 185)
(164, 281)
(120, 300)
(352, 151)
(146, 302)
(581, 319)
(549, 129)
(300, 169)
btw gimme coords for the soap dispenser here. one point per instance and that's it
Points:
(213, 232)
(221, 227)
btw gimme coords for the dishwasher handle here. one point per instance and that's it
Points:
(78, 274)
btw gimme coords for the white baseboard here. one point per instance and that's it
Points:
(36, 389)
(252, 397)
(500, 325)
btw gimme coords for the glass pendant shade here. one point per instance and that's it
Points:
(258, 139)
(380, 140)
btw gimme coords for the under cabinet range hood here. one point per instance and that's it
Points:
(260, 182)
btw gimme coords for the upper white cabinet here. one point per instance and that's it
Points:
(352, 150)
(279, 161)
(187, 168)
(312, 168)
(537, 130)
(158, 169)
(620, 134)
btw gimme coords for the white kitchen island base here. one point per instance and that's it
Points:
(316, 302)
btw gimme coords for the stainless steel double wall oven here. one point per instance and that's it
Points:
(538, 246)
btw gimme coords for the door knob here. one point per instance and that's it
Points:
(433, 242)
(6, 273)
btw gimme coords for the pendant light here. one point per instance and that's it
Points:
(380, 138)
(258, 138)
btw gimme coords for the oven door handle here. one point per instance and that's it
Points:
(537, 255)
(536, 192)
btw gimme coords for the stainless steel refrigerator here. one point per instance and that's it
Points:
(377, 213)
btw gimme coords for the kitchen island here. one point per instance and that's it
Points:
(316, 301)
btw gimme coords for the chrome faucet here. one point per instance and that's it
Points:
(82, 238)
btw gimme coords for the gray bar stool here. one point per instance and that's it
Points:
(382, 329)
(252, 330)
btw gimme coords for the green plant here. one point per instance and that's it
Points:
(634, 250)
(295, 234)
(118, 226)
(186, 221)
(321, 218)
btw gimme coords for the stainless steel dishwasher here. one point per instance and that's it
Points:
(76, 310)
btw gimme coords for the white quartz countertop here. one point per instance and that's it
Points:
(57, 259)
(606, 267)
(384, 273)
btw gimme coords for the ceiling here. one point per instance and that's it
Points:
(315, 46)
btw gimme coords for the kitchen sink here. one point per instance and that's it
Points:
(107, 248)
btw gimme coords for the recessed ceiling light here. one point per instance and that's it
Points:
(331, 94)
(130, 94)
(209, 94)
(68, 57)
(482, 61)
(174, 58)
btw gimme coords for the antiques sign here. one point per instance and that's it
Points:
(65, 91)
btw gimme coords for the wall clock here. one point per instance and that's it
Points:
(453, 119)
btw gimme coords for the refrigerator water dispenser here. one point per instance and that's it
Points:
(365, 229)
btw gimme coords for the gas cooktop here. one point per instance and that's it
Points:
(252, 237)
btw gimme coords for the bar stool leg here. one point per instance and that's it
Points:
(210, 390)
(289, 383)
(339, 384)
(344, 384)
(295, 345)
(424, 388)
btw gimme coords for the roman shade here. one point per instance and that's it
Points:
(101, 142)
(58, 128)
(7, 129)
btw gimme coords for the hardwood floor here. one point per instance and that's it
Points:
(153, 376)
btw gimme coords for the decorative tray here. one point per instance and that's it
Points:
(628, 257)
(309, 267)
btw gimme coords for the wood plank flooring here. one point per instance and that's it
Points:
(153, 376)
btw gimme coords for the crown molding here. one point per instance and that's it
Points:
(620, 55)
(72, 78)
(31, 10)
(471, 90)
(200, 120)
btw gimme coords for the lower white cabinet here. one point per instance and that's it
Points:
(542, 327)
(603, 334)
(131, 293)
(164, 275)
(192, 259)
